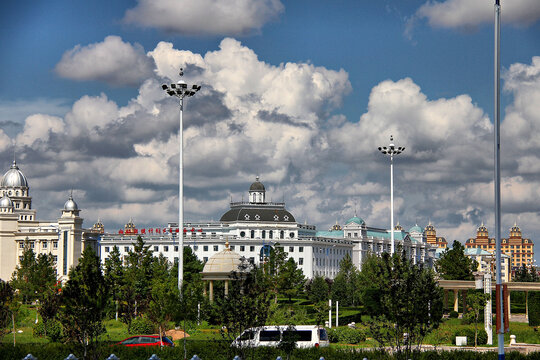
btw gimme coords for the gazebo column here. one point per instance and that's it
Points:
(204, 288)
(508, 301)
(526, 305)
(211, 290)
(464, 301)
(456, 300)
(226, 288)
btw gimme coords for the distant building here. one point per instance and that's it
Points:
(373, 240)
(519, 249)
(251, 228)
(64, 238)
(254, 227)
(487, 264)
(432, 238)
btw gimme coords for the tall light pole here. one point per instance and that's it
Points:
(497, 181)
(181, 90)
(392, 151)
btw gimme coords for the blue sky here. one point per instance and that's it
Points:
(319, 85)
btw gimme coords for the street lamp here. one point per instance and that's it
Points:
(181, 90)
(392, 151)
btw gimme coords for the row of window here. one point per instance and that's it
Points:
(270, 233)
(44, 244)
(166, 248)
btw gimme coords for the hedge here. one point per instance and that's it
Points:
(534, 308)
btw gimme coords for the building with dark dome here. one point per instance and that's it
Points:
(252, 229)
(64, 237)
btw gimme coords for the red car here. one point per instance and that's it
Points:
(146, 340)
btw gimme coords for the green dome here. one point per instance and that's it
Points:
(417, 229)
(357, 220)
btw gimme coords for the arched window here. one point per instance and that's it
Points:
(270, 234)
(282, 234)
(264, 234)
(253, 234)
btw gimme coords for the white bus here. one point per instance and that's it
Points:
(305, 336)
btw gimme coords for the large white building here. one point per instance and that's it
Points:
(64, 237)
(252, 228)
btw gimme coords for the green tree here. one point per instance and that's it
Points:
(6, 298)
(367, 283)
(34, 274)
(164, 296)
(114, 276)
(476, 300)
(344, 288)
(522, 274)
(454, 265)
(533, 274)
(49, 305)
(290, 279)
(411, 304)
(138, 280)
(24, 275)
(84, 299)
(271, 269)
(318, 290)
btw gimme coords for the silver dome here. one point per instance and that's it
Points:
(71, 205)
(14, 177)
(5, 202)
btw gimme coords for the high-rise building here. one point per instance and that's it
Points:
(520, 250)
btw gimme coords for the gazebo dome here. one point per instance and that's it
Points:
(222, 263)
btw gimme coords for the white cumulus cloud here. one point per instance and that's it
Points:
(205, 17)
(468, 14)
(112, 61)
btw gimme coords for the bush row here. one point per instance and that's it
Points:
(216, 351)
(469, 333)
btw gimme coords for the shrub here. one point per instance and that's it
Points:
(469, 333)
(53, 333)
(39, 329)
(141, 325)
(346, 335)
(453, 314)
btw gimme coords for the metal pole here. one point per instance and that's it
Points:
(392, 204)
(337, 313)
(181, 203)
(391, 150)
(330, 313)
(497, 182)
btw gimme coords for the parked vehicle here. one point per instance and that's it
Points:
(305, 336)
(146, 340)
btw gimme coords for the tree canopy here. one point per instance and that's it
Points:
(455, 265)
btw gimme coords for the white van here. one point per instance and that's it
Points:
(306, 336)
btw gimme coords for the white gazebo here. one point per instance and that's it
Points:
(221, 267)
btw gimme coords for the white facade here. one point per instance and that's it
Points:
(64, 238)
(253, 227)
